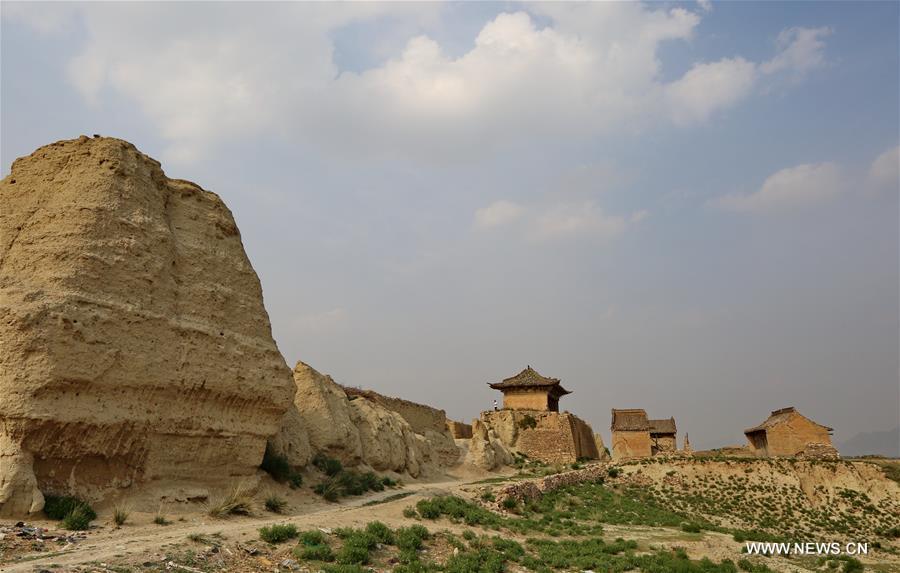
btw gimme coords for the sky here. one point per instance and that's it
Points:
(686, 207)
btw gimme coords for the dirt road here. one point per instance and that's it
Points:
(143, 538)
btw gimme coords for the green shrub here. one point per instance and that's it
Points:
(468, 535)
(691, 527)
(428, 509)
(343, 568)
(275, 504)
(509, 503)
(330, 466)
(58, 507)
(410, 538)
(330, 489)
(410, 512)
(457, 509)
(353, 554)
(312, 537)
(278, 533)
(479, 561)
(280, 469)
(613, 472)
(314, 552)
(527, 422)
(78, 519)
(381, 532)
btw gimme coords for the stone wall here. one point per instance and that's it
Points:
(630, 444)
(554, 438)
(528, 489)
(459, 430)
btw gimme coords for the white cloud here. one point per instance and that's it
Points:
(708, 88)
(885, 170)
(705, 5)
(556, 221)
(800, 50)
(638, 216)
(204, 73)
(789, 188)
(497, 214)
(572, 220)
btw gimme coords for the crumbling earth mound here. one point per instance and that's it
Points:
(356, 429)
(135, 341)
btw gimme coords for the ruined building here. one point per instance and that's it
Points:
(528, 390)
(530, 421)
(630, 431)
(636, 436)
(787, 432)
(662, 436)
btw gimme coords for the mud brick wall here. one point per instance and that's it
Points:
(459, 430)
(792, 436)
(525, 400)
(630, 444)
(421, 417)
(555, 438)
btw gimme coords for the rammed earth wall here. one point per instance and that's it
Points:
(551, 437)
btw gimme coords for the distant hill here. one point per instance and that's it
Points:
(886, 443)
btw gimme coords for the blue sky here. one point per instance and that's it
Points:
(691, 208)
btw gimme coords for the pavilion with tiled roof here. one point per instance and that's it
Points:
(528, 390)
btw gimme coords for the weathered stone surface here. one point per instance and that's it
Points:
(135, 341)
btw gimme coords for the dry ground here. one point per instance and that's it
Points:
(193, 542)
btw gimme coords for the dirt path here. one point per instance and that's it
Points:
(148, 539)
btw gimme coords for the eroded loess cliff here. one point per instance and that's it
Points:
(135, 341)
(358, 430)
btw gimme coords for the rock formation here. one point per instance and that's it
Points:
(486, 449)
(357, 429)
(135, 341)
(602, 451)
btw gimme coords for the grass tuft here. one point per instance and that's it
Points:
(237, 501)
